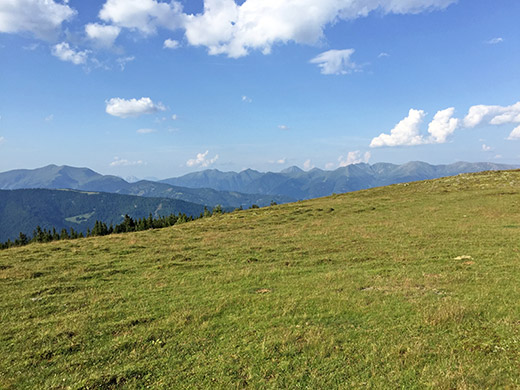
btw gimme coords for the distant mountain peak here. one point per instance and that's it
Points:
(293, 169)
(297, 183)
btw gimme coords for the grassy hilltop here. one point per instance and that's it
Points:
(408, 286)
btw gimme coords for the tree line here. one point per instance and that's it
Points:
(100, 228)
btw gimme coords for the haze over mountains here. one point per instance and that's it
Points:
(231, 189)
(296, 183)
(85, 179)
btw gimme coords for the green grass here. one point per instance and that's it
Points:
(361, 290)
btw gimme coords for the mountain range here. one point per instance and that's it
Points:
(85, 179)
(296, 183)
(35, 197)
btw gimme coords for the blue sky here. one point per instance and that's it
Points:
(151, 88)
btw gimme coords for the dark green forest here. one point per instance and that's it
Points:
(24, 210)
(101, 228)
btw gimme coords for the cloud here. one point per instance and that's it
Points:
(122, 61)
(175, 117)
(201, 160)
(486, 148)
(171, 44)
(442, 126)
(144, 16)
(64, 52)
(405, 132)
(335, 62)
(354, 158)
(146, 131)
(307, 165)
(49, 118)
(329, 165)
(225, 27)
(279, 161)
(515, 134)
(494, 41)
(120, 162)
(494, 115)
(31, 47)
(103, 36)
(128, 108)
(2, 140)
(247, 99)
(42, 18)
(283, 127)
(383, 54)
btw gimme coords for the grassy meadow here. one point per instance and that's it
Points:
(411, 286)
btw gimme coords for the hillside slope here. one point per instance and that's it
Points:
(23, 210)
(408, 286)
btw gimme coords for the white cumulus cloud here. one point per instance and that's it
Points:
(171, 44)
(335, 62)
(225, 27)
(146, 131)
(442, 126)
(201, 160)
(494, 115)
(143, 15)
(405, 132)
(102, 35)
(127, 108)
(283, 127)
(65, 53)
(42, 18)
(486, 148)
(354, 158)
(515, 134)
(307, 165)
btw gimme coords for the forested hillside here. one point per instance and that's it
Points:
(24, 210)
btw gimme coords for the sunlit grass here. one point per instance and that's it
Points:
(407, 286)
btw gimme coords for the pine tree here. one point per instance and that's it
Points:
(22, 240)
(64, 235)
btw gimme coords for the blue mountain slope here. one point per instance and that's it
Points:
(296, 183)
